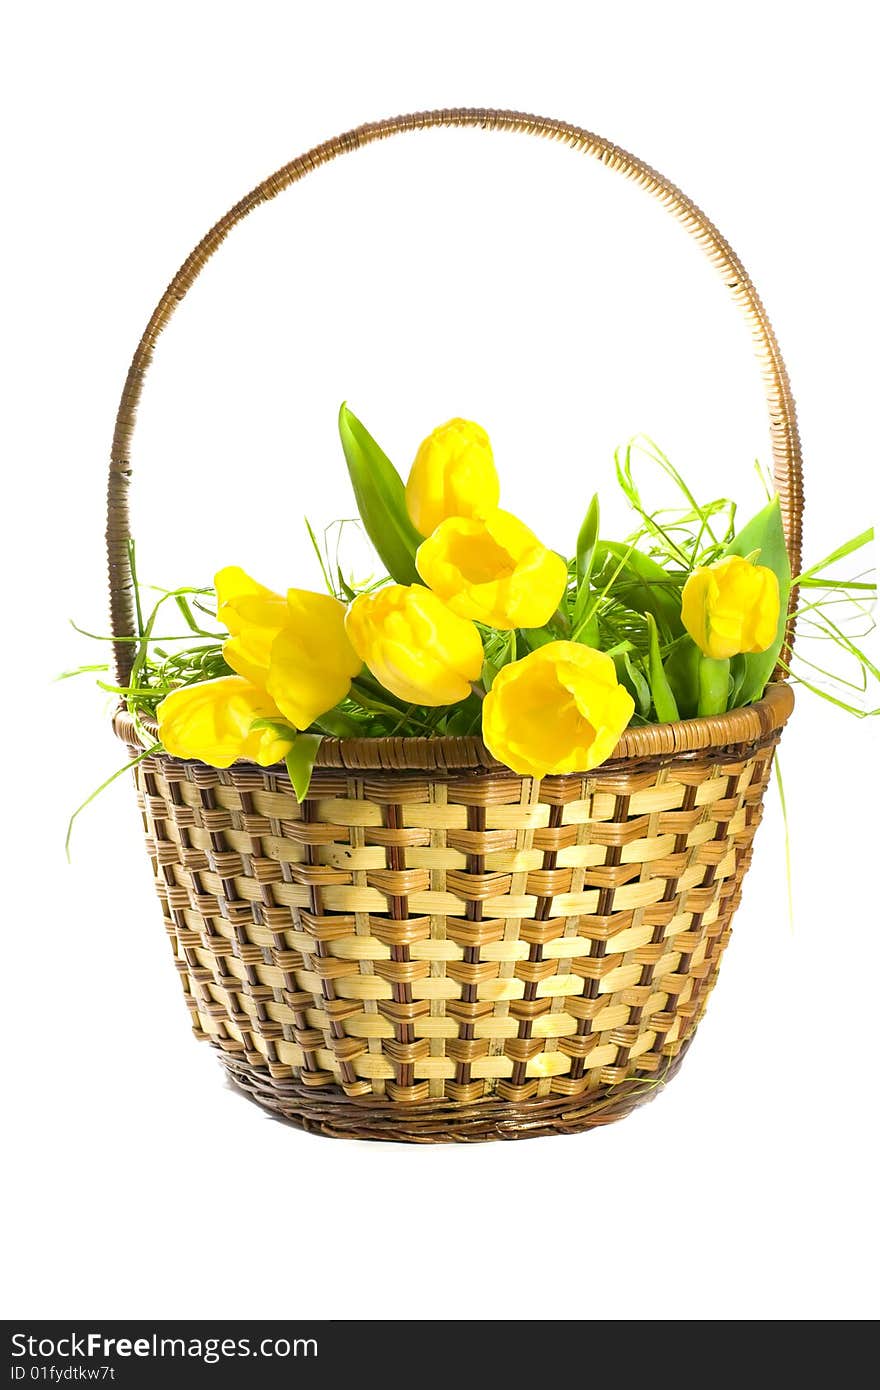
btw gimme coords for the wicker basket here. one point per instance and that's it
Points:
(430, 947)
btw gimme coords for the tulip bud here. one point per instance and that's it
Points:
(414, 645)
(731, 607)
(453, 475)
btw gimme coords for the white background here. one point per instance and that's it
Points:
(453, 273)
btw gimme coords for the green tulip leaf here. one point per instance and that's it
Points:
(500, 651)
(586, 541)
(682, 668)
(280, 728)
(586, 550)
(300, 763)
(639, 583)
(535, 637)
(664, 701)
(381, 499)
(632, 679)
(587, 632)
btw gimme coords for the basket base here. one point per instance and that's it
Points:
(339, 1116)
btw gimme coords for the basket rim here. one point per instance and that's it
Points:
(748, 725)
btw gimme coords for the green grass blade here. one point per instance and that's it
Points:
(639, 583)
(786, 831)
(135, 587)
(848, 548)
(317, 549)
(132, 762)
(80, 671)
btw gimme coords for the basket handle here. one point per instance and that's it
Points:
(785, 442)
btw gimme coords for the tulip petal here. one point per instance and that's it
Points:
(253, 616)
(311, 660)
(212, 721)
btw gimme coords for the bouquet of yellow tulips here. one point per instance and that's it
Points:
(476, 627)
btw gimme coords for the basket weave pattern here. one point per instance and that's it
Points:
(457, 936)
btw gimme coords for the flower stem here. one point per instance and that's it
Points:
(714, 682)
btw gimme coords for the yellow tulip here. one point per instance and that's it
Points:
(293, 647)
(453, 475)
(731, 607)
(253, 616)
(559, 709)
(493, 569)
(311, 660)
(212, 722)
(414, 645)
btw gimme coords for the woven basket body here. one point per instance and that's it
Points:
(431, 947)
(470, 954)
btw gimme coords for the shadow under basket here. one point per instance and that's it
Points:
(430, 947)
(452, 952)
